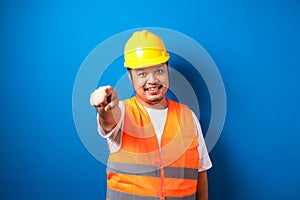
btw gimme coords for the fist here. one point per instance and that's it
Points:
(104, 97)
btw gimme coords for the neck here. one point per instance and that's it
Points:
(155, 105)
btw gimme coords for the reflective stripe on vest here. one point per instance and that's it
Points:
(116, 195)
(142, 169)
(148, 170)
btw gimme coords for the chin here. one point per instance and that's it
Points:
(154, 100)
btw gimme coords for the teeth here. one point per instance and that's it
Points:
(152, 89)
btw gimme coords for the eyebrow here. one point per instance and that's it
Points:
(156, 67)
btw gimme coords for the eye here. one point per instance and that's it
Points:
(141, 74)
(159, 71)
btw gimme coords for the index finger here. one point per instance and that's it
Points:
(108, 90)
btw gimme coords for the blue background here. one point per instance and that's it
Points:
(255, 45)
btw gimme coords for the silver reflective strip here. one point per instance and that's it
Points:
(192, 197)
(133, 169)
(116, 195)
(150, 170)
(182, 173)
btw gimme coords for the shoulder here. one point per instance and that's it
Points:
(127, 101)
(179, 106)
(129, 104)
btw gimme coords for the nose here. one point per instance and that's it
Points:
(152, 78)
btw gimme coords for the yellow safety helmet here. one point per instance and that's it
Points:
(144, 49)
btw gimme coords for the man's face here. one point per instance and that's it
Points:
(151, 84)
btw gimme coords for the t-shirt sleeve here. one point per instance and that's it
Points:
(204, 162)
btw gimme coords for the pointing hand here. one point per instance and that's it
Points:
(104, 97)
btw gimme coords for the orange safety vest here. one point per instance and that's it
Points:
(143, 170)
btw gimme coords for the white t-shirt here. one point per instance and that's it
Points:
(158, 119)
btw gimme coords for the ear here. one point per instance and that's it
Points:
(129, 75)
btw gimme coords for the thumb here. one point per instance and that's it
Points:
(107, 107)
(111, 105)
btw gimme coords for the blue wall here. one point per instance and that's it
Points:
(255, 45)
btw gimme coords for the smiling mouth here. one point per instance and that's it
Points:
(153, 89)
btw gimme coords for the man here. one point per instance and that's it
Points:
(157, 150)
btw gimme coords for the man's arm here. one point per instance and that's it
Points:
(106, 100)
(202, 186)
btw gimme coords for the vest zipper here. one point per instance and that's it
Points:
(162, 193)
